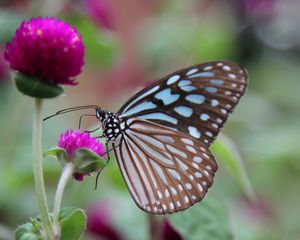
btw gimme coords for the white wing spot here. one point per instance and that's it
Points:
(180, 187)
(208, 167)
(187, 141)
(228, 106)
(223, 111)
(197, 159)
(228, 92)
(205, 155)
(186, 199)
(206, 173)
(191, 149)
(204, 117)
(232, 76)
(226, 68)
(209, 134)
(167, 193)
(192, 71)
(219, 64)
(214, 102)
(214, 125)
(191, 177)
(195, 165)
(204, 183)
(174, 191)
(194, 197)
(188, 186)
(164, 207)
(208, 68)
(159, 195)
(178, 204)
(173, 79)
(171, 205)
(219, 120)
(198, 174)
(199, 187)
(194, 132)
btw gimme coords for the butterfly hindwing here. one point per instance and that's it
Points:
(165, 170)
(194, 100)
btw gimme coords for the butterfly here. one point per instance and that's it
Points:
(161, 135)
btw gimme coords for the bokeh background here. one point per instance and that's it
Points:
(256, 192)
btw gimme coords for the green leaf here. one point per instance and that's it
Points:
(205, 220)
(28, 231)
(72, 221)
(35, 87)
(226, 151)
(87, 161)
(59, 153)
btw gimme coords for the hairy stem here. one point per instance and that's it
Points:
(38, 168)
(65, 176)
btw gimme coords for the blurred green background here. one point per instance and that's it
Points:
(130, 42)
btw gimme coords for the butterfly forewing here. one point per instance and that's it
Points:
(194, 100)
(165, 170)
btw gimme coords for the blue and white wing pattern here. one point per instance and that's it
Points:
(166, 130)
(166, 171)
(194, 100)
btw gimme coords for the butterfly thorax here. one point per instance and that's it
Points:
(111, 124)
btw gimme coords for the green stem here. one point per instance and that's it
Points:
(38, 168)
(65, 176)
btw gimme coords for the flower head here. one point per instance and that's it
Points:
(47, 48)
(72, 141)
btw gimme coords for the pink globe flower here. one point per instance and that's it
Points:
(47, 48)
(71, 141)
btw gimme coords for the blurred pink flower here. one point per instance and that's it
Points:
(257, 8)
(259, 209)
(47, 48)
(99, 222)
(101, 12)
(169, 232)
(71, 141)
(3, 67)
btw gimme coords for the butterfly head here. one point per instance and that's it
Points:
(101, 114)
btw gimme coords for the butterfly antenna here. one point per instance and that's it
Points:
(97, 178)
(72, 109)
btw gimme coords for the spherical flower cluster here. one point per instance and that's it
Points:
(47, 48)
(71, 141)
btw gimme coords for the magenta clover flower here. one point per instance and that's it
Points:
(74, 141)
(47, 48)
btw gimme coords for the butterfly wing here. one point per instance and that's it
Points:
(194, 100)
(165, 170)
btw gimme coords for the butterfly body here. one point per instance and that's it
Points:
(111, 124)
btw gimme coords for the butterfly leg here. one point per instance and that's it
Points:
(84, 115)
